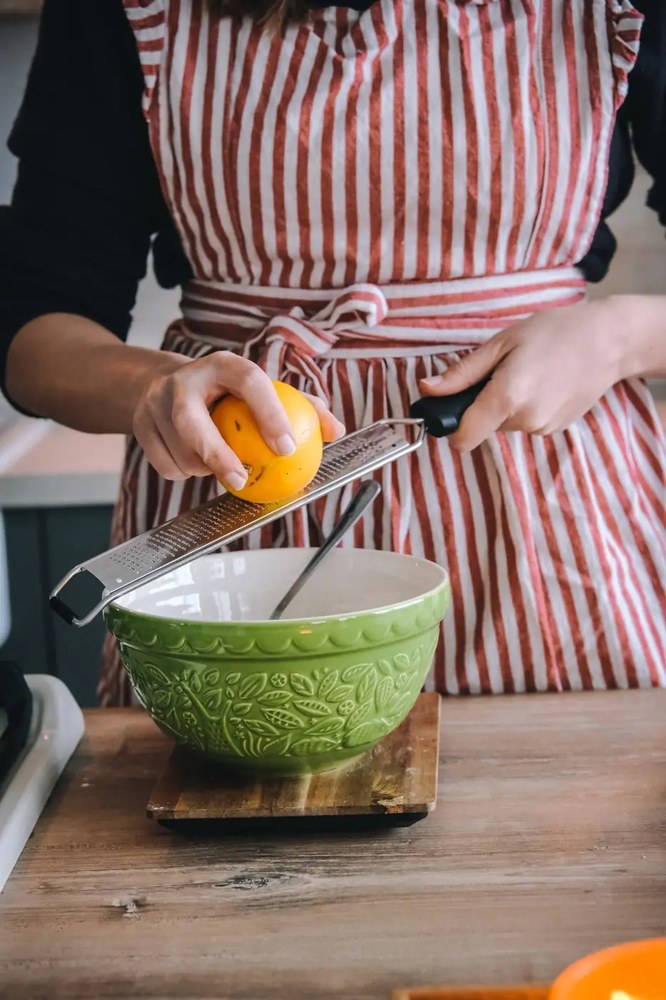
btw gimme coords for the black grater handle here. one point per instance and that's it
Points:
(441, 415)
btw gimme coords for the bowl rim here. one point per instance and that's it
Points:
(267, 624)
(588, 964)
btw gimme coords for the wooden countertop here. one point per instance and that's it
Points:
(549, 841)
(20, 6)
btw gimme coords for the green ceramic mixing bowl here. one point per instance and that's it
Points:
(306, 693)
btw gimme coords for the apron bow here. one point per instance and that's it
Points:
(293, 341)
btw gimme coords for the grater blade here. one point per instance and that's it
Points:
(225, 519)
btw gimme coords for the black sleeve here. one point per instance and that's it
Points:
(645, 107)
(640, 129)
(87, 200)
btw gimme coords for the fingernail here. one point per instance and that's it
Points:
(432, 383)
(236, 480)
(285, 445)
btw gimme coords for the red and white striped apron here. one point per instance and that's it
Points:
(365, 197)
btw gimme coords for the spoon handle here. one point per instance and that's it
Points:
(367, 492)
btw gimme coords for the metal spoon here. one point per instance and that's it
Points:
(368, 492)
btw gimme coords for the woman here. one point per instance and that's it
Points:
(451, 157)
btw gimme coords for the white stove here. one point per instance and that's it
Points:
(55, 731)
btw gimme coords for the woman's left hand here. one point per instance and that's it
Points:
(547, 371)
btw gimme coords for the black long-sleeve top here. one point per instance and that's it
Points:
(87, 207)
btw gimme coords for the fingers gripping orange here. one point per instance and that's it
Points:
(271, 477)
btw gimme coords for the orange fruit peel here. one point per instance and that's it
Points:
(272, 478)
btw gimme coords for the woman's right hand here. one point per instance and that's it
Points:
(172, 420)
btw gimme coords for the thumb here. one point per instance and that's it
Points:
(467, 371)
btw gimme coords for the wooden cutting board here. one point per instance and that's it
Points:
(396, 783)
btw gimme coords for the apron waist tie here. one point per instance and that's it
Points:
(286, 329)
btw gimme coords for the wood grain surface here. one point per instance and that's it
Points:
(475, 993)
(399, 776)
(548, 842)
(21, 6)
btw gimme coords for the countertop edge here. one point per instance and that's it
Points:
(89, 489)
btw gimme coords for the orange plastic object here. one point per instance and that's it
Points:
(272, 478)
(634, 971)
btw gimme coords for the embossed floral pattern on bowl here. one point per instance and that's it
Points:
(298, 695)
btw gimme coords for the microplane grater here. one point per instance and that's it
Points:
(226, 518)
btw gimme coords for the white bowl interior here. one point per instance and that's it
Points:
(246, 586)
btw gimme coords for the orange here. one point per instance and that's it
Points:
(272, 478)
(632, 971)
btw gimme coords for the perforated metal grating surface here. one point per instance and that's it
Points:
(226, 518)
(218, 518)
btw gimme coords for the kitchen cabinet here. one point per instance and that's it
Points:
(42, 545)
(57, 491)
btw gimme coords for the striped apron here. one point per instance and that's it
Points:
(364, 198)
